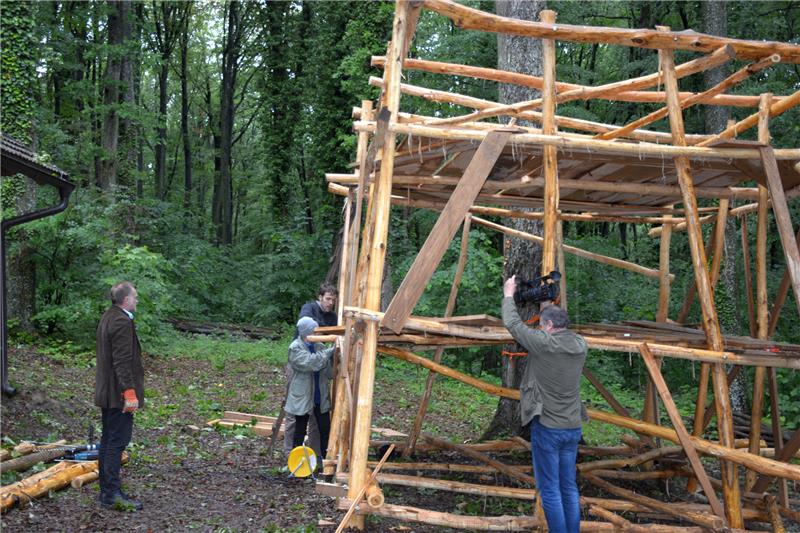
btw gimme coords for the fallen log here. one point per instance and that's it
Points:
(54, 478)
(84, 479)
(26, 461)
(26, 447)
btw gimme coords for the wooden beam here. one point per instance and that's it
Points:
(677, 423)
(721, 56)
(786, 454)
(549, 156)
(704, 97)
(442, 233)
(748, 276)
(780, 295)
(612, 261)
(710, 319)
(448, 311)
(473, 19)
(783, 219)
(776, 109)
(377, 254)
(535, 82)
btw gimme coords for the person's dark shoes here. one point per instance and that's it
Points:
(120, 502)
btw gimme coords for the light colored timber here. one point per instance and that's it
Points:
(615, 519)
(535, 82)
(549, 156)
(566, 144)
(448, 311)
(775, 109)
(748, 276)
(677, 423)
(783, 220)
(482, 457)
(368, 480)
(457, 486)
(619, 263)
(432, 251)
(719, 57)
(473, 19)
(760, 464)
(359, 449)
(734, 79)
(730, 487)
(715, 523)
(434, 95)
(84, 479)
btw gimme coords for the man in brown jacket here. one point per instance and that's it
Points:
(118, 390)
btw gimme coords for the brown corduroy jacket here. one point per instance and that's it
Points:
(119, 360)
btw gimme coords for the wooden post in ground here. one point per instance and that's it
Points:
(730, 484)
(762, 312)
(437, 357)
(748, 277)
(377, 255)
(549, 152)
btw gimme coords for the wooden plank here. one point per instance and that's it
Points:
(680, 429)
(782, 219)
(443, 231)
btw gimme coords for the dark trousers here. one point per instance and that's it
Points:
(117, 430)
(323, 423)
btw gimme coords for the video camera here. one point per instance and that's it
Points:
(541, 289)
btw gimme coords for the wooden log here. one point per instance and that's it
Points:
(500, 467)
(772, 380)
(774, 514)
(715, 523)
(783, 218)
(362, 491)
(568, 144)
(627, 462)
(448, 311)
(734, 79)
(376, 258)
(748, 277)
(704, 290)
(374, 495)
(615, 519)
(24, 462)
(536, 82)
(533, 116)
(443, 230)
(775, 110)
(612, 261)
(4, 454)
(473, 19)
(786, 453)
(719, 57)
(56, 477)
(446, 467)
(84, 479)
(458, 486)
(677, 423)
(549, 159)
(27, 447)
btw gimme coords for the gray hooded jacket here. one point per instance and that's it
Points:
(300, 400)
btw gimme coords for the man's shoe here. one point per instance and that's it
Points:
(120, 502)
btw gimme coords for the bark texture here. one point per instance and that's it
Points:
(523, 258)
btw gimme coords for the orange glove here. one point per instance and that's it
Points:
(131, 402)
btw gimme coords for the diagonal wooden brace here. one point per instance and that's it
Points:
(445, 228)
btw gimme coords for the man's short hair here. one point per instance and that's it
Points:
(120, 291)
(327, 288)
(556, 315)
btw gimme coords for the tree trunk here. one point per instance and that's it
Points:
(114, 84)
(230, 67)
(187, 145)
(523, 258)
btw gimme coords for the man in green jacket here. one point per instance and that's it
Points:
(550, 398)
(118, 391)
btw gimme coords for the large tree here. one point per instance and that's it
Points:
(523, 258)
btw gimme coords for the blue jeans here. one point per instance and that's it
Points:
(554, 454)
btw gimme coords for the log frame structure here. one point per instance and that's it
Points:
(469, 166)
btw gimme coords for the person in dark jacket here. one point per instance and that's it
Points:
(118, 391)
(323, 312)
(550, 397)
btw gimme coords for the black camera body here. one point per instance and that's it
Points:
(541, 289)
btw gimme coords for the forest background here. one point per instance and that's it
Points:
(199, 133)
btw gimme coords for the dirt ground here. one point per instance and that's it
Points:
(213, 480)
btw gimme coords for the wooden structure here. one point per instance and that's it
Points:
(470, 166)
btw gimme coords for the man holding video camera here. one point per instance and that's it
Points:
(550, 400)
